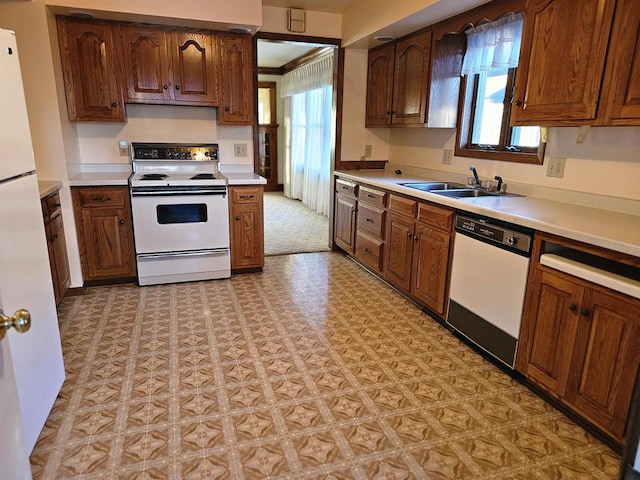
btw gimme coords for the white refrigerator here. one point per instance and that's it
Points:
(25, 275)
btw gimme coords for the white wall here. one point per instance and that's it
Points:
(318, 24)
(354, 135)
(607, 163)
(98, 142)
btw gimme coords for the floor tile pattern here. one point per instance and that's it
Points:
(313, 369)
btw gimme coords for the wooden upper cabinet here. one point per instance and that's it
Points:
(193, 68)
(90, 70)
(564, 44)
(146, 63)
(621, 86)
(168, 66)
(411, 79)
(235, 72)
(380, 86)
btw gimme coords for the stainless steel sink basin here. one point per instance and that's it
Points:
(430, 186)
(466, 193)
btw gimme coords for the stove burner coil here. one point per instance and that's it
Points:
(153, 176)
(203, 176)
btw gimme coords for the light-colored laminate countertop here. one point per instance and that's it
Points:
(616, 231)
(47, 187)
(97, 179)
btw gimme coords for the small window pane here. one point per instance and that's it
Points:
(525, 136)
(181, 213)
(489, 107)
(264, 106)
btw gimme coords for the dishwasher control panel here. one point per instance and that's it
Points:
(494, 232)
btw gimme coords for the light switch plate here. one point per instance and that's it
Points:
(367, 150)
(446, 157)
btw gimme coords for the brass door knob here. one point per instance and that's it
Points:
(21, 321)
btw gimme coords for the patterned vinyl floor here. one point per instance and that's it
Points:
(312, 369)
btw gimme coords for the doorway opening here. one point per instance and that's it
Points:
(295, 139)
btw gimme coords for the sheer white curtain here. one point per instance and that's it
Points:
(308, 93)
(494, 45)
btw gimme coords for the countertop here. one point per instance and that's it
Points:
(616, 231)
(96, 179)
(47, 187)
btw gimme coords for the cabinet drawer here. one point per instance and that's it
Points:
(53, 206)
(245, 194)
(371, 220)
(346, 188)
(101, 196)
(369, 250)
(435, 216)
(372, 197)
(402, 205)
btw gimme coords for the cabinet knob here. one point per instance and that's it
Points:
(226, 109)
(114, 105)
(56, 205)
(409, 235)
(584, 312)
(121, 222)
(177, 87)
(237, 217)
(518, 102)
(165, 86)
(416, 238)
(572, 307)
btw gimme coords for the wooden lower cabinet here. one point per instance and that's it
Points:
(57, 245)
(345, 222)
(417, 255)
(246, 228)
(581, 343)
(105, 233)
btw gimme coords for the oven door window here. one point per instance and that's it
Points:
(181, 213)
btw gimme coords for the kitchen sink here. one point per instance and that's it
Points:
(430, 186)
(467, 193)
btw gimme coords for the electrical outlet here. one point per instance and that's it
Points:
(555, 167)
(240, 150)
(367, 150)
(446, 157)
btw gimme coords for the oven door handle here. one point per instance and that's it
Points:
(173, 193)
(192, 253)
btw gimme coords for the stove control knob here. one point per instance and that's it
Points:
(513, 241)
(206, 154)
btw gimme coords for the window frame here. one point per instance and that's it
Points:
(466, 116)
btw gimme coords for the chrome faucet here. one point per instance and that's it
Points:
(475, 175)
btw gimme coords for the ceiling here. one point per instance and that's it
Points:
(276, 54)
(327, 6)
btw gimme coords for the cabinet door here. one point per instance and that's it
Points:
(622, 74)
(192, 64)
(430, 264)
(58, 250)
(345, 222)
(605, 360)
(549, 330)
(400, 240)
(564, 44)
(107, 243)
(380, 86)
(90, 71)
(246, 236)
(236, 80)
(146, 64)
(411, 79)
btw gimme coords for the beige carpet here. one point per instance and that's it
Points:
(313, 369)
(290, 227)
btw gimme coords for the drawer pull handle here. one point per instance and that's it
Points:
(247, 197)
(366, 250)
(369, 220)
(101, 199)
(370, 196)
(572, 307)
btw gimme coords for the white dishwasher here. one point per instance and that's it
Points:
(488, 281)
